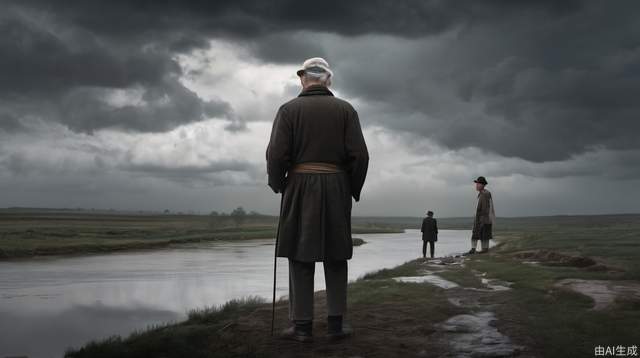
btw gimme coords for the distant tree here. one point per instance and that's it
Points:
(238, 215)
(166, 211)
(214, 213)
(254, 213)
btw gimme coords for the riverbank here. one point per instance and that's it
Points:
(545, 290)
(31, 234)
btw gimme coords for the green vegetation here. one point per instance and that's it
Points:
(27, 233)
(613, 240)
(557, 322)
(201, 335)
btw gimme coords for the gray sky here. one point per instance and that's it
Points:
(134, 105)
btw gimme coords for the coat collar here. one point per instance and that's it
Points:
(315, 90)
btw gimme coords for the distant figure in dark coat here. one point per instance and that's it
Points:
(429, 234)
(317, 158)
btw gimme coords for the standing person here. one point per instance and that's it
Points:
(317, 158)
(484, 219)
(429, 234)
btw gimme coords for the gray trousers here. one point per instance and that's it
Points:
(301, 288)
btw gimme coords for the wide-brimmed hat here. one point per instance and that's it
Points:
(316, 65)
(481, 180)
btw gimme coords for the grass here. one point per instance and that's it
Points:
(33, 233)
(201, 335)
(558, 322)
(612, 239)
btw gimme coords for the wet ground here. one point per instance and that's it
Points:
(472, 334)
(602, 292)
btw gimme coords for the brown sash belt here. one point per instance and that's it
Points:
(316, 167)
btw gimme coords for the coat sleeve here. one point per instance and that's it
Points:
(279, 151)
(357, 154)
(435, 225)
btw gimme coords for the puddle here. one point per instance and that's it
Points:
(448, 260)
(496, 285)
(491, 284)
(531, 262)
(430, 279)
(472, 335)
(602, 292)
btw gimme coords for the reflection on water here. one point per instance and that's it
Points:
(63, 302)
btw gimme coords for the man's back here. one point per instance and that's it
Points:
(429, 229)
(317, 127)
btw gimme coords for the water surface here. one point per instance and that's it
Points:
(49, 304)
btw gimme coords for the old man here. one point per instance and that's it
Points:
(317, 158)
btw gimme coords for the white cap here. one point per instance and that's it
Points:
(315, 65)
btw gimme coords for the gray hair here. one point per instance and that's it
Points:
(323, 78)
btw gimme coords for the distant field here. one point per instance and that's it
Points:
(26, 233)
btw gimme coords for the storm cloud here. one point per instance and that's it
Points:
(179, 91)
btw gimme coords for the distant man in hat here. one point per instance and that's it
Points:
(429, 234)
(317, 158)
(485, 216)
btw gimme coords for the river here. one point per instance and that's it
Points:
(51, 303)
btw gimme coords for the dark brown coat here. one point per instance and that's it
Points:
(315, 212)
(429, 229)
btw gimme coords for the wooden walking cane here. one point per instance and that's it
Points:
(275, 263)
(273, 304)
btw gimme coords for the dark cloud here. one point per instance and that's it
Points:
(162, 108)
(186, 24)
(188, 170)
(39, 56)
(54, 70)
(8, 122)
(539, 80)
(534, 85)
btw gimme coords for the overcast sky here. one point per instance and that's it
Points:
(157, 105)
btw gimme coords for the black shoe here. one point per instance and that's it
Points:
(471, 252)
(300, 331)
(337, 330)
